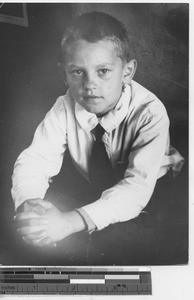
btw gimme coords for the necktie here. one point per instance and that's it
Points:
(100, 169)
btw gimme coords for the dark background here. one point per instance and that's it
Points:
(30, 84)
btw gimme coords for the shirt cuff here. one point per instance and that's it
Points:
(89, 223)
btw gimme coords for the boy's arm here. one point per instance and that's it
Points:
(43, 159)
(127, 198)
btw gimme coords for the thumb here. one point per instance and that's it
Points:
(40, 202)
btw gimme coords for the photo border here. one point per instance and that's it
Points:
(16, 20)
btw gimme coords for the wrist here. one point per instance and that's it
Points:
(75, 221)
(79, 223)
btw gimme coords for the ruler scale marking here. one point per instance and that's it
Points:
(78, 281)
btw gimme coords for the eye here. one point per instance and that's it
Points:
(77, 72)
(103, 72)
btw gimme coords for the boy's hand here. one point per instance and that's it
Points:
(32, 205)
(45, 224)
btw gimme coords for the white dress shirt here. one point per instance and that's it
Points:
(137, 142)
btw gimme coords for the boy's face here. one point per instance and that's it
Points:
(94, 74)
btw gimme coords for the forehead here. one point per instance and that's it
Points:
(84, 52)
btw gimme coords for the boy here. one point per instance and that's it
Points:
(133, 129)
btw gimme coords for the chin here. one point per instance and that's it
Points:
(95, 111)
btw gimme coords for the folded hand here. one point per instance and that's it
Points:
(42, 224)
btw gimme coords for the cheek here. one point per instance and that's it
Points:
(115, 85)
(75, 86)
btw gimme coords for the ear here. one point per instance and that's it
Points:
(62, 73)
(129, 71)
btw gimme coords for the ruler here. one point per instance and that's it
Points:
(75, 280)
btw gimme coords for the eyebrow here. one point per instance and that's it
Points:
(70, 65)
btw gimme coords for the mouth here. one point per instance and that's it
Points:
(92, 99)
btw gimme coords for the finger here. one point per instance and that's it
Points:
(41, 222)
(32, 242)
(32, 222)
(26, 205)
(39, 209)
(40, 243)
(25, 215)
(38, 235)
(29, 230)
(47, 242)
(44, 203)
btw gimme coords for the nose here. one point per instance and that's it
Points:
(90, 82)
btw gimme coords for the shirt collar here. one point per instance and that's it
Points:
(111, 120)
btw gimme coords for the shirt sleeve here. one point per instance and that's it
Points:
(128, 197)
(88, 221)
(42, 159)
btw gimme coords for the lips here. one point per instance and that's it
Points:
(91, 96)
(92, 99)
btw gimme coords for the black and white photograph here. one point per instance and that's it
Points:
(94, 134)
